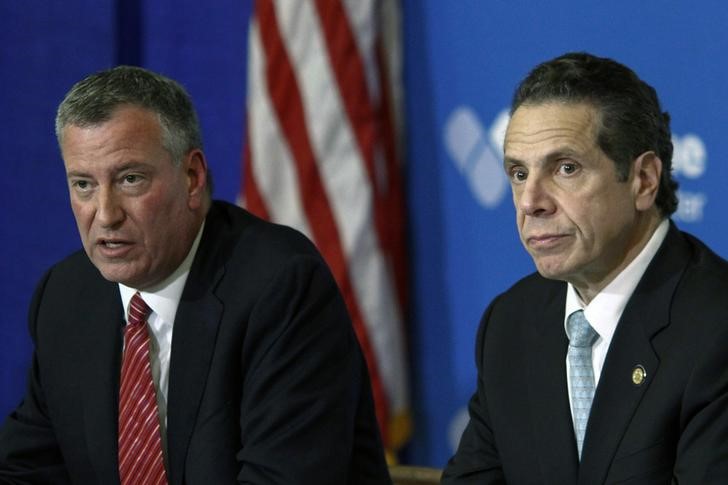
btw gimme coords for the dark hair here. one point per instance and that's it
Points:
(94, 99)
(631, 120)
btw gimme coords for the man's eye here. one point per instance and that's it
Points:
(132, 179)
(80, 185)
(518, 175)
(567, 168)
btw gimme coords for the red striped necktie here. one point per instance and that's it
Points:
(140, 445)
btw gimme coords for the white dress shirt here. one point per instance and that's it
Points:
(163, 299)
(605, 310)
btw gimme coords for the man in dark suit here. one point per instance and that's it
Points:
(242, 365)
(610, 365)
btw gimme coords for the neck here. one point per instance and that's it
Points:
(590, 285)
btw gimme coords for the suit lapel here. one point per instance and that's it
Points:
(195, 331)
(101, 343)
(193, 341)
(617, 397)
(547, 390)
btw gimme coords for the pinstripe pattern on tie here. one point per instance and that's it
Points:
(581, 374)
(140, 445)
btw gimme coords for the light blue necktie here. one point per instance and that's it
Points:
(581, 374)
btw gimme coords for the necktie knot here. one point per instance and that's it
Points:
(580, 333)
(138, 310)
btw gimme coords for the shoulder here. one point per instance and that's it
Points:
(251, 251)
(704, 283)
(531, 294)
(228, 222)
(682, 300)
(530, 302)
(66, 293)
(73, 276)
(705, 261)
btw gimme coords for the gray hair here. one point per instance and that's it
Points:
(94, 99)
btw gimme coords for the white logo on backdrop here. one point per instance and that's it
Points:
(477, 153)
(689, 160)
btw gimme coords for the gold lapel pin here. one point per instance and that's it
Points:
(639, 374)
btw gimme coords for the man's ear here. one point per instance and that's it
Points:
(646, 182)
(195, 167)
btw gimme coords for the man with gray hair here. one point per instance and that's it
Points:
(189, 342)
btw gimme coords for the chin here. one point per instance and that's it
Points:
(550, 272)
(115, 276)
(551, 276)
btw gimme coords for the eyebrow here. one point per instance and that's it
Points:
(560, 152)
(123, 167)
(75, 173)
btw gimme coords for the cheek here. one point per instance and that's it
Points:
(520, 220)
(585, 213)
(82, 214)
(157, 215)
(599, 227)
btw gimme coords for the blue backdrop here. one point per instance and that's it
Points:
(462, 61)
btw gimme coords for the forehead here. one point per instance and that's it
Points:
(536, 130)
(129, 127)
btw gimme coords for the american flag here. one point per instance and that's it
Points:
(322, 155)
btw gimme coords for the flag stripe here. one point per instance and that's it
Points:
(393, 239)
(320, 157)
(288, 105)
(331, 139)
(369, 270)
(349, 71)
(340, 156)
(365, 30)
(253, 199)
(278, 187)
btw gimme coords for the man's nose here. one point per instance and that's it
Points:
(535, 198)
(109, 212)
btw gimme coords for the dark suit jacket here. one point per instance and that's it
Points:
(671, 428)
(267, 382)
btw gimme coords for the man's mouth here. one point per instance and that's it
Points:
(113, 248)
(113, 244)
(545, 241)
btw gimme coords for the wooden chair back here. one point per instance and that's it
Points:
(414, 475)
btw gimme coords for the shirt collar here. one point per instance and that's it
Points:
(605, 309)
(164, 297)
